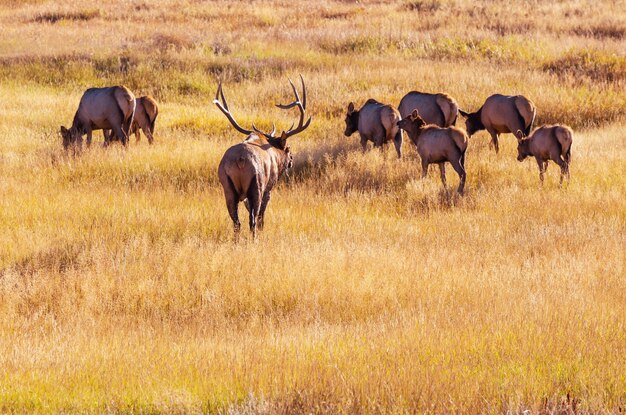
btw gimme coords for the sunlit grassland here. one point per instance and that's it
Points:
(370, 290)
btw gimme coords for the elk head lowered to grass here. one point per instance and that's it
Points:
(502, 114)
(101, 109)
(548, 142)
(438, 109)
(249, 170)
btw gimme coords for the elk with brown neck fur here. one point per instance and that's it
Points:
(549, 142)
(501, 114)
(249, 170)
(438, 109)
(110, 108)
(375, 122)
(437, 145)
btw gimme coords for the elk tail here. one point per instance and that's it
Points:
(460, 140)
(125, 102)
(241, 162)
(564, 138)
(153, 119)
(448, 109)
(526, 114)
(129, 123)
(454, 112)
(529, 127)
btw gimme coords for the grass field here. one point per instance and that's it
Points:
(370, 290)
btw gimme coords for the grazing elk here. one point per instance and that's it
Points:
(437, 145)
(501, 114)
(249, 170)
(109, 108)
(146, 112)
(549, 142)
(375, 122)
(437, 109)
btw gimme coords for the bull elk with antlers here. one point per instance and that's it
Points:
(249, 170)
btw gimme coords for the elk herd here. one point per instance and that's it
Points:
(250, 169)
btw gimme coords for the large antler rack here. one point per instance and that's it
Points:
(300, 103)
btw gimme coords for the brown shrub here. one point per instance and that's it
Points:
(54, 17)
(608, 31)
(593, 65)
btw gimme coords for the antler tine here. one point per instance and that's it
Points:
(223, 106)
(219, 88)
(303, 92)
(293, 104)
(301, 127)
(223, 98)
(270, 135)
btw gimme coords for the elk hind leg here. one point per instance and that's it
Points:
(107, 137)
(424, 167)
(89, 137)
(397, 142)
(442, 173)
(264, 202)
(119, 132)
(564, 168)
(254, 204)
(137, 131)
(232, 204)
(494, 140)
(459, 167)
(379, 142)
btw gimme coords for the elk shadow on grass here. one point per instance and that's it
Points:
(423, 203)
(315, 168)
(311, 164)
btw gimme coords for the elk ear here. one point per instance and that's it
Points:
(520, 135)
(351, 108)
(414, 115)
(282, 141)
(463, 113)
(63, 130)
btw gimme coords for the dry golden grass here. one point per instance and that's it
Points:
(370, 290)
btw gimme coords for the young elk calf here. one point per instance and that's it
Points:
(502, 114)
(249, 170)
(437, 145)
(375, 122)
(549, 142)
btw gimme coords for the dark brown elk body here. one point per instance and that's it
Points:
(375, 122)
(549, 142)
(437, 109)
(249, 170)
(109, 108)
(501, 114)
(146, 112)
(437, 145)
